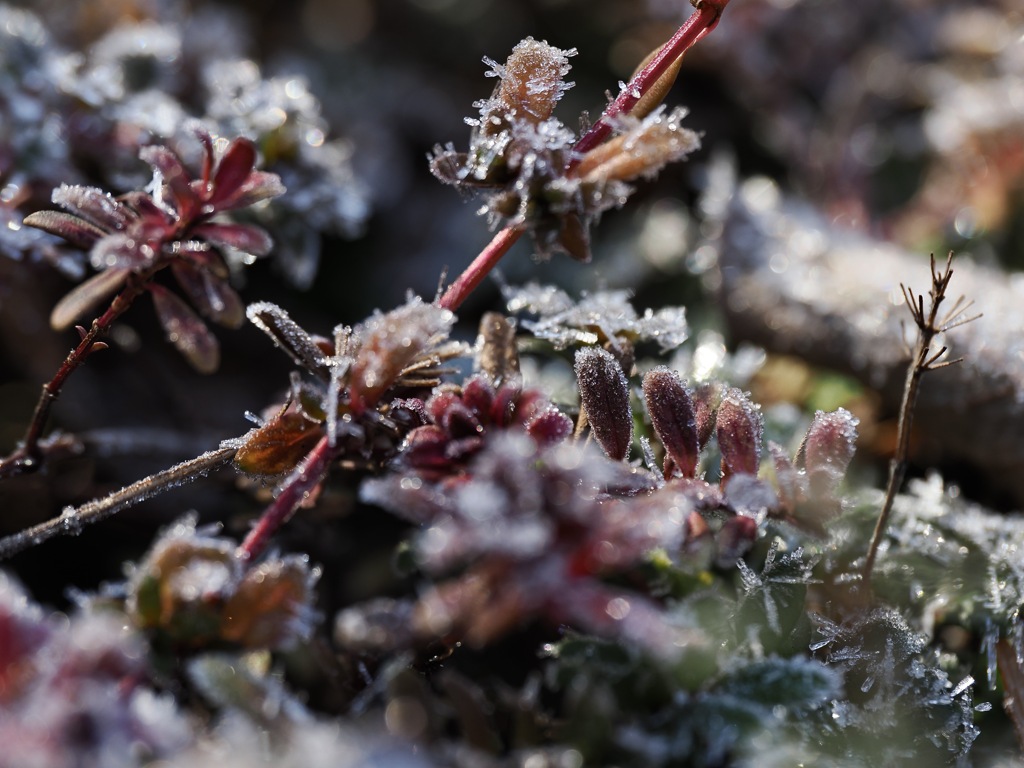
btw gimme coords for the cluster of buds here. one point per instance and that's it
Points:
(524, 160)
(726, 514)
(131, 237)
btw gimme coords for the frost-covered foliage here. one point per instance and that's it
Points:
(659, 561)
(69, 114)
(523, 159)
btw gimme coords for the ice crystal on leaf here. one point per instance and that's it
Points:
(601, 317)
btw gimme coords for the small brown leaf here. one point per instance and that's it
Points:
(279, 445)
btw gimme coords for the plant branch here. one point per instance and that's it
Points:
(929, 325)
(28, 455)
(295, 489)
(696, 27)
(73, 519)
(482, 265)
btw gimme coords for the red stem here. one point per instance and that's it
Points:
(27, 456)
(480, 268)
(296, 489)
(695, 28)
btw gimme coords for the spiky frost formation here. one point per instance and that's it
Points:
(532, 83)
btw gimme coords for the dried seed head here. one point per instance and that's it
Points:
(828, 449)
(388, 343)
(642, 151)
(670, 407)
(532, 82)
(604, 393)
(739, 427)
(497, 356)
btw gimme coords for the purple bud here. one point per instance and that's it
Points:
(739, 427)
(706, 398)
(828, 450)
(671, 409)
(549, 426)
(604, 392)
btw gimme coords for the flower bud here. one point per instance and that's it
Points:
(604, 392)
(671, 410)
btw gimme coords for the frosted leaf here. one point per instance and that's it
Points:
(595, 318)
(94, 205)
(288, 335)
(828, 449)
(387, 343)
(739, 427)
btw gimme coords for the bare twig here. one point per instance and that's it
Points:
(73, 519)
(929, 325)
(28, 455)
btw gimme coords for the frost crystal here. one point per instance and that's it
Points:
(602, 316)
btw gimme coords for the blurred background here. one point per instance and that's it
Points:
(903, 121)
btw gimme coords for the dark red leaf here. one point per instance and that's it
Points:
(604, 392)
(739, 428)
(234, 169)
(258, 187)
(175, 177)
(670, 406)
(211, 295)
(186, 330)
(550, 426)
(244, 237)
(75, 230)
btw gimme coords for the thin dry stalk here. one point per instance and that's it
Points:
(73, 519)
(929, 325)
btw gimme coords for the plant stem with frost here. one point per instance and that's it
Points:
(27, 457)
(73, 518)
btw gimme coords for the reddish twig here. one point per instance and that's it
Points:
(480, 268)
(296, 489)
(27, 456)
(695, 28)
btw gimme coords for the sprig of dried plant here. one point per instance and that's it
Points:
(924, 358)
